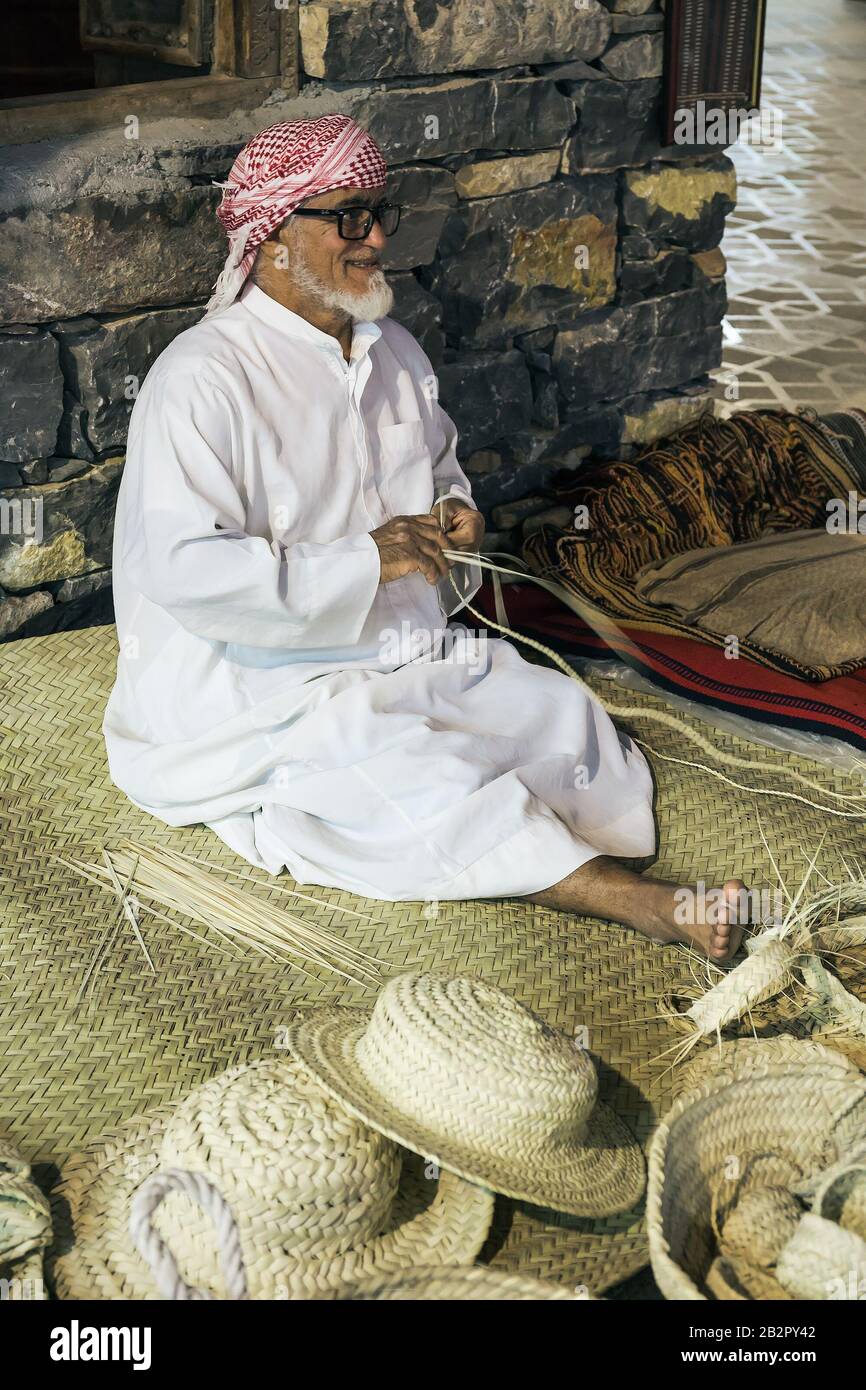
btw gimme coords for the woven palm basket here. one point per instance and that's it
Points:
(69, 1074)
(762, 1123)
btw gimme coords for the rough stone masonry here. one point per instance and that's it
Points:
(559, 266)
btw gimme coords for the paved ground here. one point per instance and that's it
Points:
(796, 244)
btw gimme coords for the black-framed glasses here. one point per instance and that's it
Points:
(356, 222)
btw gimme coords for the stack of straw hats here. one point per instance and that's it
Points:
(373, 1151)
(316, 1199)
(772, 1129)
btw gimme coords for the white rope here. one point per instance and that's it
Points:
(156, 1254)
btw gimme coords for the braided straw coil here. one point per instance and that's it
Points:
(841, 1196)
(758, 1226)
(773, 1123)
(464, 1075)
(822, 1261)
(476, 1283)
(318, 1199)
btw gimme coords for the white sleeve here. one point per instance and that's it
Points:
(186, 549)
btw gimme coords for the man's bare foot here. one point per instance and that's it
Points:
(712, 920)
(709, 919)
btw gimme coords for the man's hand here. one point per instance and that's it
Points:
(412, 543)
(463, 525)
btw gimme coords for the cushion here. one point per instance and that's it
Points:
(800, 594)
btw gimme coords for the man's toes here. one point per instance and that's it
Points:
(720, 942)
(734, 890)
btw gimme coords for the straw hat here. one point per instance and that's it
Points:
(460, 1072)
(773, 1117)
(476, 1283)
(316, 1198)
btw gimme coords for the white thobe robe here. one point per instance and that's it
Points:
(270, 686)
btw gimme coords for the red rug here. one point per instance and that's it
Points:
(693, 669)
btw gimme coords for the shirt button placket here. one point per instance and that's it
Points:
(369, 490)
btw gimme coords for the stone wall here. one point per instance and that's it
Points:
(559, 265)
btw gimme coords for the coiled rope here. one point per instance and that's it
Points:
(156, 1254)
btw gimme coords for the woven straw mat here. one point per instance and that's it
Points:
(69, 1074)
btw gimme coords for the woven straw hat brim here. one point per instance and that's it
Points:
(476, 1283)
(93, 1255)
(603, 1176)
(783, 1119)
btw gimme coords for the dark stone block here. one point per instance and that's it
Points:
(18, 611)
(59, 469)
(111, 252)
(105, 365)
(75, 519)
(84, 586)
(576, 71)
(638, 248)
(427, 195)
(487, 394)
(685, 204)
(465, 114)
(540, 340)
(527, 260)
(666, 273)
(545, 400)
(598, 426)
(674, 361)
(387, 38)
(36, 471)
(31, 396)
(620, 125)
(94, 610)
(420, 312)
(72, 442)
(689, 310)
(649, 345)
(635, 56)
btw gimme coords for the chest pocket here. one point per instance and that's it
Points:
(407, 468)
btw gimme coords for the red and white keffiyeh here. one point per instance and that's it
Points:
(274, 173)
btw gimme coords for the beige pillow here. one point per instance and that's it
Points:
(801, 594)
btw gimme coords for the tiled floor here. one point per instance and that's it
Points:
(796, 244)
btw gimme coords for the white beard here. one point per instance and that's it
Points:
(374, 304)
